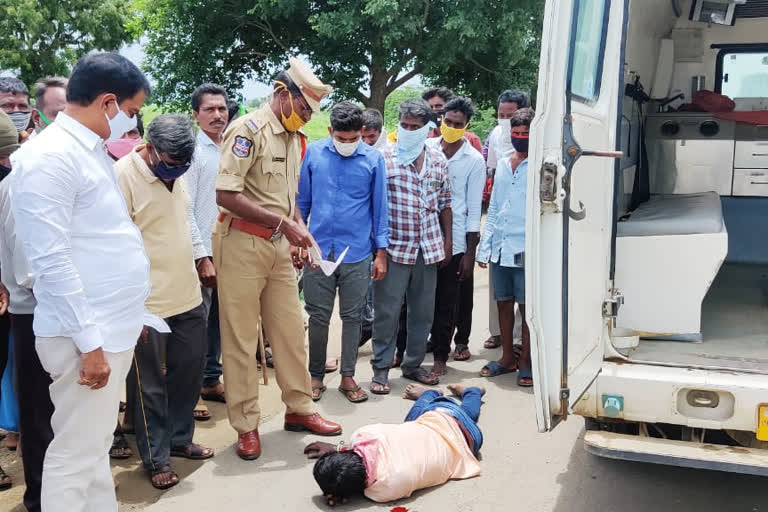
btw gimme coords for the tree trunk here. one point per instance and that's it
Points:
(378, 93)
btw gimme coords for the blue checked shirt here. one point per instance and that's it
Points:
(344, 199)
(504, 234)
(416, 199)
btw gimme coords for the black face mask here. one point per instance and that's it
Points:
(4, 171)
(520, 143)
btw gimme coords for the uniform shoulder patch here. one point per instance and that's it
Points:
(242, 147)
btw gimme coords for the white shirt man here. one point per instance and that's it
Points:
(91, 274)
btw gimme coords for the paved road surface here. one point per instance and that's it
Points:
(523, 470)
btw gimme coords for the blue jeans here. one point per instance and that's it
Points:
(212, 371)
(466, 413)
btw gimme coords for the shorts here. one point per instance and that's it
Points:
(508, 283)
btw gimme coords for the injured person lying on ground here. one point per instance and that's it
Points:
(439, 441)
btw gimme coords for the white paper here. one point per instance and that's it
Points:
(156, 323)
(328, 267)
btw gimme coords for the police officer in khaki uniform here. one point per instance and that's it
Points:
(256, 191)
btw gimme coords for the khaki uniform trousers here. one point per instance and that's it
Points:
(256, 279)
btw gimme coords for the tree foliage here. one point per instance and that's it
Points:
(365, 48)
(46, 37)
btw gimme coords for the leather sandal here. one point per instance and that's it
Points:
(349, 394)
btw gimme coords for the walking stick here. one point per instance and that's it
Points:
(263, 354)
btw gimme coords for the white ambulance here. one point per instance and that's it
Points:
(647, 234)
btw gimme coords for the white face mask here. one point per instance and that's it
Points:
(346, 148)
(20, 120)
(506, 139)
(120, 124)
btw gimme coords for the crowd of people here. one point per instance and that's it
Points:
(151, 262)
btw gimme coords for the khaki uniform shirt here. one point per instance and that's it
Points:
(262, 160)
(161, 216)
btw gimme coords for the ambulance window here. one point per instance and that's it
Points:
(587, 66)
(744, 74)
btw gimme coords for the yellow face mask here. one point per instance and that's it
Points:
(451, 135)
(293, 122)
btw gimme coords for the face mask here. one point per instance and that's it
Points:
(520, 142)
(45, 119)
(166, 172)
(410, 143)
(20, 120)
(293, 122)
(119, 124)
(382, 140)
(451, 135)
(346, 148)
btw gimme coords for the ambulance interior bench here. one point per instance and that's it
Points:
(668, 252)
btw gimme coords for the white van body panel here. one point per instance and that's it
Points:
(589, 241)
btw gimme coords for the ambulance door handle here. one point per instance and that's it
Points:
(576, 151)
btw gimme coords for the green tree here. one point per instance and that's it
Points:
(365, 48)
(46, 37)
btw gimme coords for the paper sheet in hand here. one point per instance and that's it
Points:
(328, 267)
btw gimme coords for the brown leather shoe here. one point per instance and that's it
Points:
(313, 423)
(249, 445)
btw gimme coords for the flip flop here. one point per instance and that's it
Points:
(461, 353)
(5, 480)
(164, 469)
(384, 383)
(525, 373)
(348, 391)
(495, 369)
(320, 390)
(201, 414)
(120, 449)
(192, 451)
(492, 342)
(422, 376)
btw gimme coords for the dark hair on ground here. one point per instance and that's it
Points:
(522, 117)
(13, 85)
(207, 88)
(373, 120)
(514, 96)
(346, 117)
(42, 87)
(100, 73)
(233, 110)
(292, 87)
(445, 94)
(461, 104)
(340, 474)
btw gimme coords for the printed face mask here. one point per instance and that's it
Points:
(20, 120)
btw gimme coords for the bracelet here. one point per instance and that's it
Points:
(277, 229)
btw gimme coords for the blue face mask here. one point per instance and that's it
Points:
(410, 143)
(166, 172)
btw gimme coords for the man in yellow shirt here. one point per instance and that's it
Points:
(150, 178)
(439, 441)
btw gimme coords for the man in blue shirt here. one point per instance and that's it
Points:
(343, 198)
(503, 245)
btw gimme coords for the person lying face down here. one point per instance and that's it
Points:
(439, 441)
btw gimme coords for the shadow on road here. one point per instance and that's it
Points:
(593, 483)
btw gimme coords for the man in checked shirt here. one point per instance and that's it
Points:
(419, 239)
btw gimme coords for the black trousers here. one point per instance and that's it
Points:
(446, 302)
(35, 407)
(464, 311)
(402, 331)
(164, 402)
